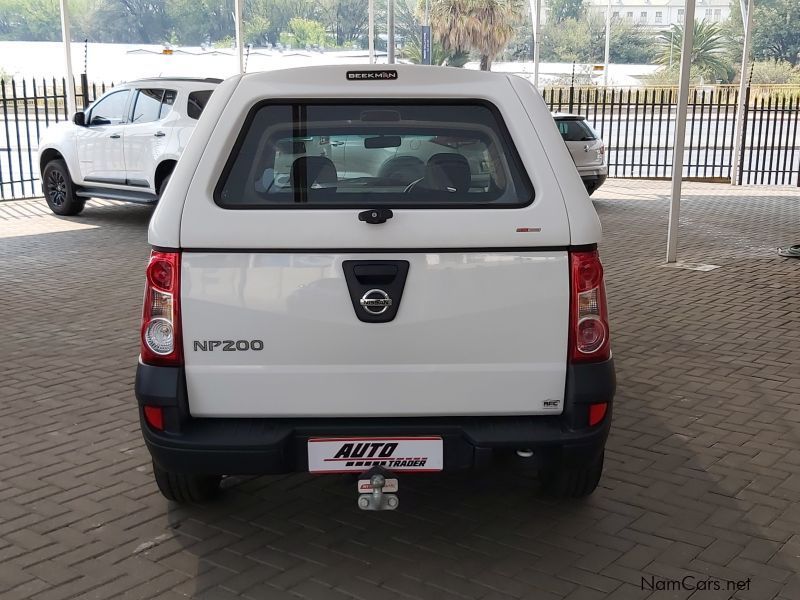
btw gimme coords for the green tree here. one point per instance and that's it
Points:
(280, 12)
(776, 33)
(481, 26)
(583, 41)
(347, 19)
(775, 72)
(408, 27)
(631, 43)
(90, 19)
(305, 32)
(195, 22)
(30, 20)
(709, 56)
(571, 40)
(559, 11)
(145, 21)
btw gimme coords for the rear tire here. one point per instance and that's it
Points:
(59, 191)
(186, 489)
(572, 482)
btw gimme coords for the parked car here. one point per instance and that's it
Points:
(124, 146)
(303, 312)
(587, 149)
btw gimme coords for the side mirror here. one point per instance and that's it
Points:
(79, 118)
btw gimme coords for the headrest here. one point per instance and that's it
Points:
(310, 171)
(448, 171)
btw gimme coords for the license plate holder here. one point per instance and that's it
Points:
(402, 454)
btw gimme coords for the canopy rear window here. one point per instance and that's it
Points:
(414, 155)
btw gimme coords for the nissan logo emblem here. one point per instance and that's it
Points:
(375, 302)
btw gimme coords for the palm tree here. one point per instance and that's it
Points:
(708, 54)
(482, 26)
(439, 56)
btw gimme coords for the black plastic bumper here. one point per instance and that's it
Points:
(593, 182)
(262, 446)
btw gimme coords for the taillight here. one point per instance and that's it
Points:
(161, 322)
(588, 313)
(154, 415)
(597, 412)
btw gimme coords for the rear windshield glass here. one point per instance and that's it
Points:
(576, 130)
(368, 155)
(197, 102)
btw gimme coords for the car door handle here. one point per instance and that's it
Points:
(114, 136)
(159, 134)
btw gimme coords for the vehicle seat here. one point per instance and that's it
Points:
(445, 172)
(313, 173)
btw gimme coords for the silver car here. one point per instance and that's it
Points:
(587, 149)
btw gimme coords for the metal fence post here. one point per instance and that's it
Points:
(85, 90)
(743, 145)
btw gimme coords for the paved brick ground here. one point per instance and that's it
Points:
(703, 465)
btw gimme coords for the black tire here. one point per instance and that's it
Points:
(573, 482)
(59, 191)
(186, 489)
(163, 185)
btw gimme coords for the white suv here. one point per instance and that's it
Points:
(308, 310)
(587, 149)
(124, 146)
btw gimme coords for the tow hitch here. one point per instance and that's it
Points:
(377, 490)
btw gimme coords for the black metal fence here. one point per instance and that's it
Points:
(636, 124)
(638, 127)
(27, 108)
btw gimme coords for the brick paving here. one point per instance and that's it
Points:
(702, 471)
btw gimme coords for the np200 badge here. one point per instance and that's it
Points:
(228, 345)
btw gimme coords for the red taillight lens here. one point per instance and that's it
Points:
(597, 412)
(159, 273)
(588, 318)
(154, 415)
(161, 323)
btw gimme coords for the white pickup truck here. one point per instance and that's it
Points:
(308, 308)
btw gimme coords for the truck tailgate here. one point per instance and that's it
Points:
(277, 335)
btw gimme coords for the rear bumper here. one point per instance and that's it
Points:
(263, 446)
(593, 180)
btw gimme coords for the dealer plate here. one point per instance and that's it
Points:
(358, 454)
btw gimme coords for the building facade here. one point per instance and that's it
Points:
(660, 14)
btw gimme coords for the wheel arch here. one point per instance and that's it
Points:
(163, 170)
(47, 155)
